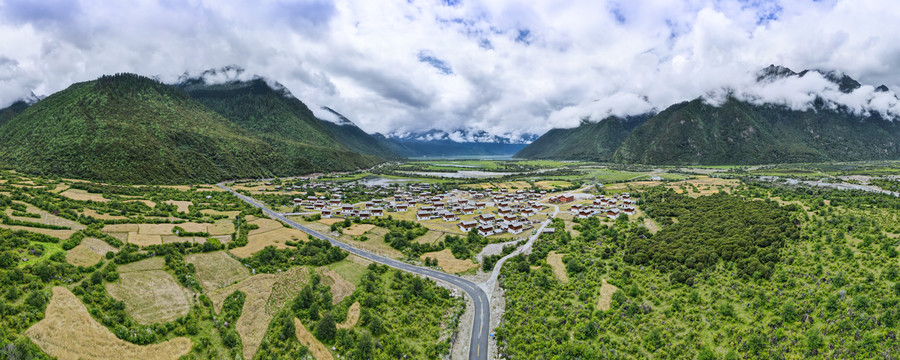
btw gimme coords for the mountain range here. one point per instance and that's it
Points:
(736, 131)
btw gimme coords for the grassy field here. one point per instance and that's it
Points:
(69, 332)
(151, 296)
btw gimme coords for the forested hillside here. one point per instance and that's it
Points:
(129, 128)
(741, 133)
(596, 141)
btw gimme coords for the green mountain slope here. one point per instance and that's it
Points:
(11, 111)
(596, 141)
(128, 128)
(355, 139)
(742, 133)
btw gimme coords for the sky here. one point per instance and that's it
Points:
(505, 67)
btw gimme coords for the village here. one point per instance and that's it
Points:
(491, 212)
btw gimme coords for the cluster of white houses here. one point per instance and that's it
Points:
(513, 208)
(602, 206)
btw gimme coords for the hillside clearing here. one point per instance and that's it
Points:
(559, 269)
(352, 317)
(606, 292)
(151, 296)
(183, 206)
(69, 332)
(277, 237)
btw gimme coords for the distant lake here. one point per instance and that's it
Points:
(383, 181)
(461, 174)
(465, 157)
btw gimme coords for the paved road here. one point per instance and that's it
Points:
(478, 346)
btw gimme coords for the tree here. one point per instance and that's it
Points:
(326, 329)
(364, 346)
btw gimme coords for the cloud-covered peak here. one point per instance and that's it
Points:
(498, 66)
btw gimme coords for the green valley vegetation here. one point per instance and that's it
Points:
(764, 272)
(422, 330)
(131, 129)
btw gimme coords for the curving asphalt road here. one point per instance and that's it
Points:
(478, 346)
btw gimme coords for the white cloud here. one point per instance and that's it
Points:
(501, 66)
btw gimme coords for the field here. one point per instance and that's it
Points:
(217, 270)
(340, 287)
(352, 317)
(449, 263)
(266, 295)
(154, 263)
(89, 252)
(606, 292)
(559, 269)
(68, 332)
(318, 351)
(277, 237)
(254, 320)
(330, 221)
(76, 194)
(358, 229)
(155, 234)
(183, 206)
(151, 296)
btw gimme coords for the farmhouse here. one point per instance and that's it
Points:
(377, 212)
(486, 218)
(326, 214)
(423, 215)
(449, 216)
(485, 230)
(401, 207)
(585, 213)
(346, 208)
(515, 228)
(467, 225)
(364, 215)
(298, 201)
(468, 209)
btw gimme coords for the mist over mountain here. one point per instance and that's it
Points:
(783, 116)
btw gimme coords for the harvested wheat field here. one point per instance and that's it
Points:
(217, 270)
(331, 221)
(151, 296)
(352, 317)
(230, 214)
(69, 332)
(145, 202)
(168, 229)
(96, 215)
(287, 285)
(318, 351)
(559, 269)
(254, 320)
(154, 263)
(59, 234)
(340, 287)
(606, 292)
(121, 228)
(89, 252)
(171, 239)
(448, 262)
(144, 239)
(265, 225)
(46, 218)
(82, 195)
(183, 206)
(276, 237)
(358, 229)
(221, 227)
